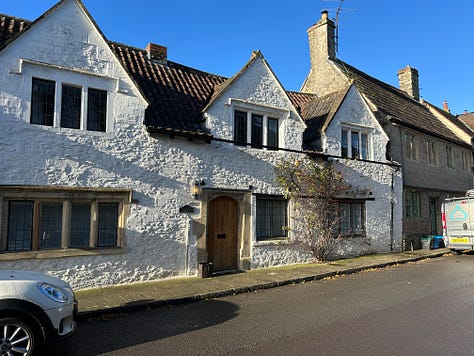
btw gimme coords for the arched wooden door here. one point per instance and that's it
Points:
(222, 230)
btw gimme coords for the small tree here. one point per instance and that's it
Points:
(313, 187)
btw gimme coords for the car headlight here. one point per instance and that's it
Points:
(52, 292)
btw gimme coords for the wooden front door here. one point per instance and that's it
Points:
(222, 228)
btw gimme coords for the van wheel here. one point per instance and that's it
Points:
(456, 252)
(17, 337)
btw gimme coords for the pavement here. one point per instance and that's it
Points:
(100, 302)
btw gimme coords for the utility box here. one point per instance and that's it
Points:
(205, 269)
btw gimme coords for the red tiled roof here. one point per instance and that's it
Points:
(10, 26)
(176, 93)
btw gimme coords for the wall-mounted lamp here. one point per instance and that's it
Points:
(196, 188)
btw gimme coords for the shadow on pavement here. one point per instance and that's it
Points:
(118, 331)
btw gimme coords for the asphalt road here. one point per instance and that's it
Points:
(423, 308)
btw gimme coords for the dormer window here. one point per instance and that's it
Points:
(256, 129)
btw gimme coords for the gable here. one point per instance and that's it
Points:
(354, 115)
(254, 91)
(65, 42)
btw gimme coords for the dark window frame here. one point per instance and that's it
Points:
(352, 229)
(43, 99)
(97, 110)
(266, 206)
(71, 106)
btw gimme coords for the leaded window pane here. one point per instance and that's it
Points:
(257, 130)
(240, 127)
(271, 218)
(42, 102)
(51, 225)
(108, 222)
(80, 225)
(97, 110)
(272, 139)
(71, 100)
(355, 144)
(344, 143)
(20, 225)
(364, 149)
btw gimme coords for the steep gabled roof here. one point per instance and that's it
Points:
(176, 93)
(395, 104)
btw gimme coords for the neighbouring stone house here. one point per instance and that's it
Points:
(432, 146)
(119, 165)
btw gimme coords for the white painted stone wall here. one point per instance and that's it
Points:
(160, 171)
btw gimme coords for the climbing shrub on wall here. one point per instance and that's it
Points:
(313, 187)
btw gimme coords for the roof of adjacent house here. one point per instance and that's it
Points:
(468, 119)
(398, 106)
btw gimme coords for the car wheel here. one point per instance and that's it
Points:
(17, 337)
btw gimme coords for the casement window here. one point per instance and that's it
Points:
(412, 204)
(97, 110)
(352, 218)
(450, 156)
(35, 220)
(354, 144)
(432, 152)
(256, 130)
(42, 102)
(411, 148)
(71, 100)
(465, 161)
(271, 218)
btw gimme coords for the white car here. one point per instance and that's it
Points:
(35, 309)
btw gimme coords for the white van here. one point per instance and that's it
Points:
(457, 215)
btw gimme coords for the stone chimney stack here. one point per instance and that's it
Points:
(409, 82)
(321, 40)
(157, 52)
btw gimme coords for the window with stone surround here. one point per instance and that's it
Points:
(450, 156)
(465, 160)
(411, 147)
(71, 99)
(259, 130)
(412, 204)
(71, 102)
(432, 152)
(42, 102)
(45, 219)
(352, 218)
(355, 143)
(271, 218)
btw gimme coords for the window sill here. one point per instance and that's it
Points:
(273, 242)
(44, 254)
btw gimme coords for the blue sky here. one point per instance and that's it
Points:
(378, 37)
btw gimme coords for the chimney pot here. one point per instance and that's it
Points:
(157, 52)
(445, 106)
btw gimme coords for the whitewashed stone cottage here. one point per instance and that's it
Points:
(118, 165)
